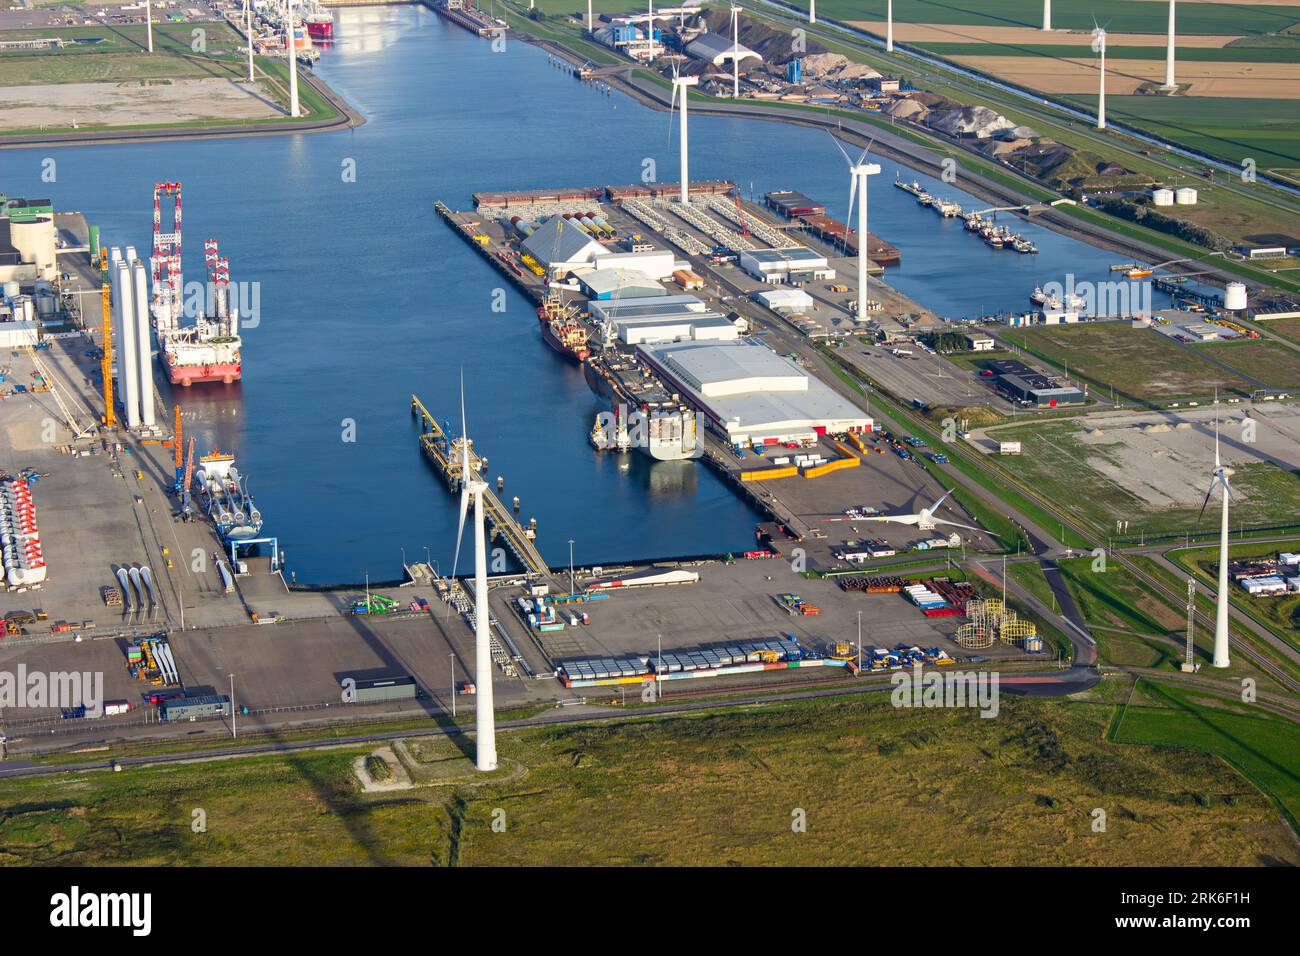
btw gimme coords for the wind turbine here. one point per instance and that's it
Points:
(860, 170)
(735, 52)
(683, 83)
(812, 11)
(1220, 477)
(1099, 46)
(485, 741)
(1047, 14)
(923, 519)
(1169, 55)
(248, 29)
(292, 47)
(148, 19)
(889, 27)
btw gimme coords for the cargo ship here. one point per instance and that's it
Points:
(562, 330)
(644, 415)
(319, 23)
(224, 494)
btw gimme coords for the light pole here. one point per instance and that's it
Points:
(233, 731)
(452, 655)
(658, 680)
(572, 588)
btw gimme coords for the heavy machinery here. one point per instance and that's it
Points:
(375, 604)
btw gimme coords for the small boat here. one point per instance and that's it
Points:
(1038, 296)
(1139, 272)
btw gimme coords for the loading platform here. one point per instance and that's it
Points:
(501, 522)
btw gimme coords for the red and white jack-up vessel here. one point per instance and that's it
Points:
(208, 350)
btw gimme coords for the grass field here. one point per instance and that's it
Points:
(878, 786)
(1287, 328)
(1259, 744)
(1271, 362)
(1142, 365)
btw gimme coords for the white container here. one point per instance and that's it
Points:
(1162, 196)
(1185, 196)
(1234, 297)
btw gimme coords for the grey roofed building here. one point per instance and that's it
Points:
(560, 245)
(718, 49)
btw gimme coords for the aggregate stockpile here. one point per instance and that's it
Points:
(20, 539)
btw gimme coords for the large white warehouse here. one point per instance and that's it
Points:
(750, 393)
(785, 265)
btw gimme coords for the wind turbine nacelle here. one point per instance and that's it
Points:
(867, 169)
(686, 80)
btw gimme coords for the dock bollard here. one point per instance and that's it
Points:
(532, 525)
(516, 502)
(501, 482)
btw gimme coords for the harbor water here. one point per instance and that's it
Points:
(367, 297)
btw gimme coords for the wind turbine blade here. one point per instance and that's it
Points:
(1232, 496)
(1209, 491)
(1216, 443)
(460, 529)
(866, 149)
(935, 507)
(840, 147)
(955, 524)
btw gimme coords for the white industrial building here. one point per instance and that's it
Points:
(692, 327)
(673, 306)
(747, 392)
(656, 263)
(561, 247)
(796, 264)
(785, 300)
(605, 283)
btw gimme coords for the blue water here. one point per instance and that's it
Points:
(367, 297)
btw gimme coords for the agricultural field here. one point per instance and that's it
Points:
(878, 785)
(1287, 328)
(1141, 364)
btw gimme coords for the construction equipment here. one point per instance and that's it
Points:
(742, 222)
(106, 360)
(187, 480)
(375, 604)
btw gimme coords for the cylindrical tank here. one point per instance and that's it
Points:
(45, 303)
(34, 241)
(1234, 297)
(128, 352)
(1186, 196)
(1162, 196)
(140, 306)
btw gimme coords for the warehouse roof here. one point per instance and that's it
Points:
(618, 283)
(657, 305)
(559, 241)
(790, 254)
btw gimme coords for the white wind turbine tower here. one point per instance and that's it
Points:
(683, 83)
(148, 19)
(812, 11)
(1220, 477)
(292, 50)
(860, 171)
(735, 52)
(248, 29)
(1169, 55)
(889, 27)
(485, 739)
(1099, 46)
(1047, 14)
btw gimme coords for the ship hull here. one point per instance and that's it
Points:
(320, 30)
(551, 339)
(186, 375)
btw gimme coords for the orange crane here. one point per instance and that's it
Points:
(106, 362)
(186, 479)
(177, 439)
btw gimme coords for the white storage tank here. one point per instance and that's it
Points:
(1234, 297)
(1162, 196)
(1186, 196)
